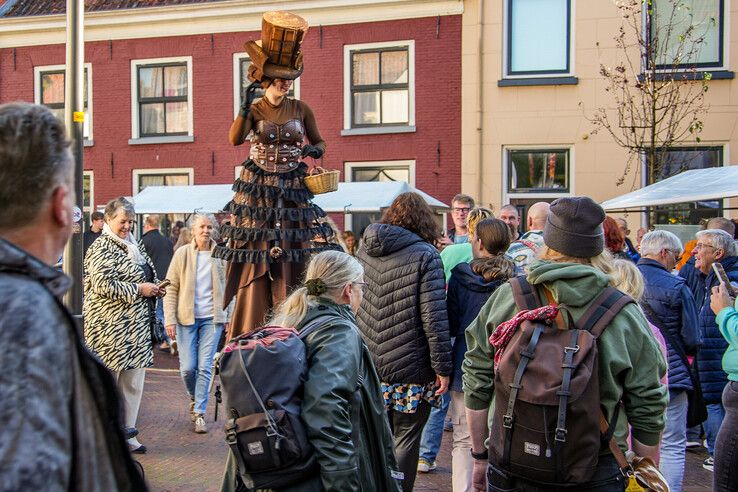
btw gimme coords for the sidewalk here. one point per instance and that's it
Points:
(180, 460)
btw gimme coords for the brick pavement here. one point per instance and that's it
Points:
(180, 460)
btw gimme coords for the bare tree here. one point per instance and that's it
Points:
(657, 88)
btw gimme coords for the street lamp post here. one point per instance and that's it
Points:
(74, 117)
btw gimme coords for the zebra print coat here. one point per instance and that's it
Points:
(116, 319)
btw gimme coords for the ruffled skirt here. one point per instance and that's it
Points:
(268, 210)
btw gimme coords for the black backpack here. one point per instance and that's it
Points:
(546, 421)
(262, 374)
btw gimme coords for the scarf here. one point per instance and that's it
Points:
(129, 243)
(505, 331)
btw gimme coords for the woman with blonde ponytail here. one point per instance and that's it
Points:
(343, 409)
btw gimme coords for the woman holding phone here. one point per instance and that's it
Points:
(194, 314)
(120, 286)
(723, 304)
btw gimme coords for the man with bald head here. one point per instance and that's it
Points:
(524, 250)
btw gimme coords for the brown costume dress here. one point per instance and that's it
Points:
(271, 208)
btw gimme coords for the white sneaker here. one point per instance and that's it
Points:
(200, 426)
(693, 444)
(708, 464)
(425, 467)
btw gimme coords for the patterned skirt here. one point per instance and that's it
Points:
(273, 210)
(275, 229)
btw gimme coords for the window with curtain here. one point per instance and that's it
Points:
(688, 32)
(538, 36)
(145, 180)
(51, 85)
(162, 100)
(538, 171)
(380, 90)
(673, 162)
(360, 220)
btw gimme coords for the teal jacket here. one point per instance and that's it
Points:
(727, 321)
(631, 364)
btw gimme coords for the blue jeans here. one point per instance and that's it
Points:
(430, 440)
(160, 316)
(715, 416)
(197, 345)
(674, 440)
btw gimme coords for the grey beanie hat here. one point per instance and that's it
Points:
(574, 227)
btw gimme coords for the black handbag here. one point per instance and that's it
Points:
(696, 409)
(158, 333)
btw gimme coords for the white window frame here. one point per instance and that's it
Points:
(507, 196)
(237, 57)
(348, 168)
(347, 99)
(137, 173)
(38, 70)
(506, 46)
(136, 138)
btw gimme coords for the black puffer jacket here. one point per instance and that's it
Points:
(403, 315)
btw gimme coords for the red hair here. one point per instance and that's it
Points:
(614, 238)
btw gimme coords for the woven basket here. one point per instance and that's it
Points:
(321, 181)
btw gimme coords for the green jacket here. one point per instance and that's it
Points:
(630, 361)
(343, 410)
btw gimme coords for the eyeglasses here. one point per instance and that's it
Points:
(701, 246)
(461, 210)
(677, 255)
(360, 284)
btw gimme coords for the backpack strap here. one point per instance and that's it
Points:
(603, 310)
(315, 323)
(524, 294)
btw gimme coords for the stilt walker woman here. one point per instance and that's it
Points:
(274, 223)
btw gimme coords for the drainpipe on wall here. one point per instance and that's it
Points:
(480, 123)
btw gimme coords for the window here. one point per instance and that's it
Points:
(375, 171)
(538, 171)
(675, 161)
(241, 62)
(538, 37)
(162, 177)
(88, 196)
(688, 32)
(380, 86)
(162, 99)
(49, 91)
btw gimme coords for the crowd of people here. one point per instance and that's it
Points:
(419, 330)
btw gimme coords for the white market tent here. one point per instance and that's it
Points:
(697, 185)
(350, 197)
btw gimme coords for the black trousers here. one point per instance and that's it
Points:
(407, 429)
(725, 476)
(607, 478)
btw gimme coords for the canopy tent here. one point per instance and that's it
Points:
(697, 185)
(350, 197)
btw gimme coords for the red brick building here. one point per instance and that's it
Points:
(164, 82)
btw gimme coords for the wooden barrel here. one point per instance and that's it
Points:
(281, 34)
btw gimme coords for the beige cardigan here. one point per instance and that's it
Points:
(179, 302)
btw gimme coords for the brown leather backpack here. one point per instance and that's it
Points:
(546, 422)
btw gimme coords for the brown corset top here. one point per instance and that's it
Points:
(277, 148)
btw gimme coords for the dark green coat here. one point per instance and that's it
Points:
(343, 409)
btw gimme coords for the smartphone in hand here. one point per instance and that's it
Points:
(164, 283)
(723, 278)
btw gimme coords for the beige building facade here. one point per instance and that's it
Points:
(530, 81)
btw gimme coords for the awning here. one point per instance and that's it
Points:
(713, 183)
(350, 197)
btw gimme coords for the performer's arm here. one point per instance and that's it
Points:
(243, 123)
(240, 127)
(311, 128)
